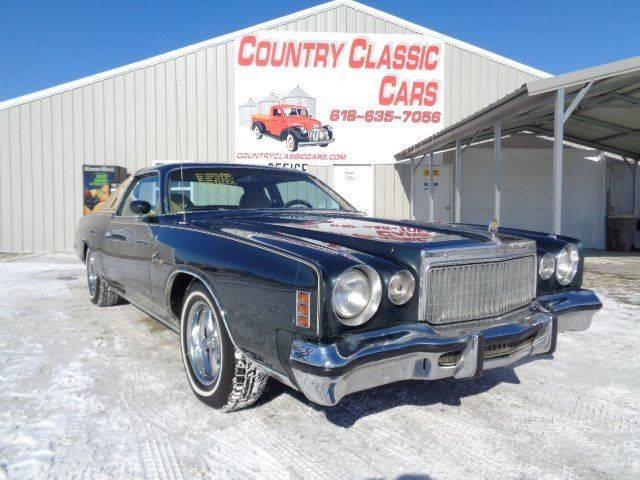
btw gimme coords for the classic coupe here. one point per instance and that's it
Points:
(267, 272)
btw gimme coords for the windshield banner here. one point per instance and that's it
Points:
(324, 98)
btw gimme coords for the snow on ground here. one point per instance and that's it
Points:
(98, 393)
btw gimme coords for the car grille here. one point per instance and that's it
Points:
(477, 290)
(492, 349)
(318, 135)
(501, 348)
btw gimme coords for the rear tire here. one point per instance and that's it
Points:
(219, 374)
(100, 293)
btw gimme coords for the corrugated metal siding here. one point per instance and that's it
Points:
(179, 109)
(392, 187)
(472, 82)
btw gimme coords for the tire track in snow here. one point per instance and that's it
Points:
(157, 455)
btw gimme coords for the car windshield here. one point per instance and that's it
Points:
(295, 111)
(215, 188)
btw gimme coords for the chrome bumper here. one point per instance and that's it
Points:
(309, 143)
(574, 308)
(327, 372)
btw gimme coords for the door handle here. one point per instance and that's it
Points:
(120, 235)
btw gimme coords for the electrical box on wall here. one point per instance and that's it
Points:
(98, 182)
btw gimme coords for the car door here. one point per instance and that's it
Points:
(277, 121)
(127, 242)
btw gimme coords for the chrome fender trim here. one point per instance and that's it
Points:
(202, 278)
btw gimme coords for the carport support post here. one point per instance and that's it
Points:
(412, 193)
(431, 213)
(636, 204)
(558, 136)
(497, 154)
(458, 173)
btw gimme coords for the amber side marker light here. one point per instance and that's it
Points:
(303, 309)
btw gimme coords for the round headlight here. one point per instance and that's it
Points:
(547, 266)
(356, 295)
(401, 286)
(567, 263)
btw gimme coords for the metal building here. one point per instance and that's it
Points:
(178, 106)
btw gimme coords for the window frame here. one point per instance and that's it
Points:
(134, 182)
(166, 185)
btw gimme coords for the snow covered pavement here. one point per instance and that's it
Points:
(98, 393)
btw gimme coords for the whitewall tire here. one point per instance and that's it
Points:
(219, 374)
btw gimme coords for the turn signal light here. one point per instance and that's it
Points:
(303, 309)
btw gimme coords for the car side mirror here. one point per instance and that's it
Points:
(140, 207)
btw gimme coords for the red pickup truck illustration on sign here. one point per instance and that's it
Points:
(293, 125)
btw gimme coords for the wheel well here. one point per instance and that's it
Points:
(260, 125)
(84, 248)
(293, 131)
(178, 289)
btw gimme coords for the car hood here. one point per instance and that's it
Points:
(304, 122)
(347, 232)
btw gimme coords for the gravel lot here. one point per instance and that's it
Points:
(101, 393)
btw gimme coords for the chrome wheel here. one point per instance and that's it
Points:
(92, 277)
(291, 142)
(204, 347)
(257, 132)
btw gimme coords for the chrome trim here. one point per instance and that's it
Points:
(318, 142)
(482, 253)
(203, 343)
(205, 282)
(327, 372)
(412, 283)
(375, 295)
(574, 266)
(574, 308)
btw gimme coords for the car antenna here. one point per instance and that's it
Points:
(184, 214)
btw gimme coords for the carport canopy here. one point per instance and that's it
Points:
(598, 107)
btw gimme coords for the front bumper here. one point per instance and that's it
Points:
(310, 143)
(327, 372)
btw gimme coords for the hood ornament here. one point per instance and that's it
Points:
(493, 229)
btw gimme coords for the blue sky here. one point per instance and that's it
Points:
(45, 43)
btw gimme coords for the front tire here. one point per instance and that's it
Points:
(220, 375)
(257, 131)
(100, 293)
(292, 142)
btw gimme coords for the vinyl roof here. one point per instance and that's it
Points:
(606, 118)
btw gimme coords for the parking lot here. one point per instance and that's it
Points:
(94, 393)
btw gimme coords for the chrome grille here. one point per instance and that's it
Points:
(318, 135)
(476, 290)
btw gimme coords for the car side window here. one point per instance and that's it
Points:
(145, 188)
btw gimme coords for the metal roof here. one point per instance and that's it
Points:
(606, 118)
(266, 26)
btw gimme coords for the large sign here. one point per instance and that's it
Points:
(325, 98)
